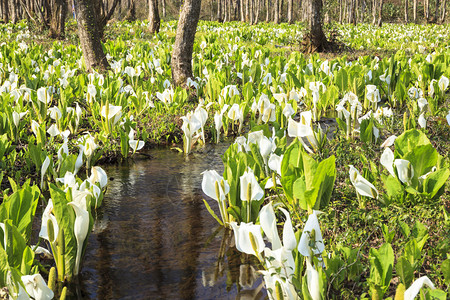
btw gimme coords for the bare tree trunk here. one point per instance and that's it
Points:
(184, 42)
(251, 11)
(380, 10)
(341, 11)
(290, 11)
(219, 11)
(58, 19)
(276, 12)
(436, 12)
(444, 11)
(426, 10)
(5, 11)
(415, 11)
(89, 34)
(225, 11)
(258, 9)
(406, 12)
(318, 41)
(267, 11)
(153, 16)
(163, 6)
(374, 12)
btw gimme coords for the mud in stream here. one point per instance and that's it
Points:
(154, 239)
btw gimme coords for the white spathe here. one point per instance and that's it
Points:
(415, 287)
(244, 234)
(247, 180)
(210, 178)
(304, 246)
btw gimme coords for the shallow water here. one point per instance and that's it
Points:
(154, 239)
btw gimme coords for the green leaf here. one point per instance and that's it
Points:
(405, 271)
(409, 140)
(445, 269)
(65, 217)
(435, 181)
(423, 158)
(381, 264)
(212, 213)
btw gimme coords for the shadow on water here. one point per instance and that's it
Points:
(154, 239)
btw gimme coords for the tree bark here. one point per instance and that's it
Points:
(5, 11)
(290, 11)
(436, 12)
(267, 11)
(444, 11)
(184, 42)
(426, 10)
(90, 37)
(153, 16)
(374, 12)
(318, 40)
(406, 12)
(415, 11)
(258, 9)
(276, 12)
(58, 19)
(380, 13)
(163, 6)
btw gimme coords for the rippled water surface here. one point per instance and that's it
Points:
(154, 238)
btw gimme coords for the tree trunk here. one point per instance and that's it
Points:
(340, 11)
(290, 11)
(267, 11)
(131, 16)
(184, 42)
(163, 6)
(426, 10)
(374, 12)
(219, 11)
(276, 12)
(380, 11)
(406, 12)
(153, 16)
(58, 19)
(444, 11)
(5, 11)
(318, 40)
(436, 12)
(258, 9)
(415, 11)
(90, 37)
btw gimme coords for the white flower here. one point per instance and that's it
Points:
(387, 160)
(36, 287)
(248, 238)
(43, 95)
(248, 180)
(389, 141)
(47, 215)
(211, 179)
(415, 287)
(53, 131)
(311, 241)
(422, 121)
(98, 175)
(114, 113)
(405, 170)
(443, 83)
(166, 97)
(363, 186)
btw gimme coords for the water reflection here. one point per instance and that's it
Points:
(154, 239)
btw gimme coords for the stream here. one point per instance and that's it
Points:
(154, 239)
